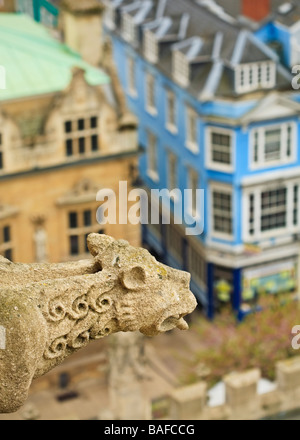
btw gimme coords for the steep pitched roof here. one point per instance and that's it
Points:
(35, 63)
(286, 12)
(213, 42)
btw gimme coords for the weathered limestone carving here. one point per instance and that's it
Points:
(83, 192)
(127, 372)
(48, 312)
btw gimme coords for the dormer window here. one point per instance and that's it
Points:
(181, 68)
(150, 47)
(110, 16)
(128, 28)
(249, 77)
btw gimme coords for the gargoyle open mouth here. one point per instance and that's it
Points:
(175, 321)
(166, 324)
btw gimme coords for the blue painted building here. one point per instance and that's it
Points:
(217, 112)
(283, 31)
(275, 22)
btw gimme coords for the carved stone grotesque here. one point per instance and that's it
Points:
(49, 311)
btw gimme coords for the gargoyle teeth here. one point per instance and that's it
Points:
(172, 322)
(182, 324)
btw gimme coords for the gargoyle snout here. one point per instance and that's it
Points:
(175, 316)
(179, 276)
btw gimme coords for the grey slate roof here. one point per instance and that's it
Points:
(286, 12)
(291, 17)
(214, 42)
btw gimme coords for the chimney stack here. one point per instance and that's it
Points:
(256, 9)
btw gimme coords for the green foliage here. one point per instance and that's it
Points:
(261, 340)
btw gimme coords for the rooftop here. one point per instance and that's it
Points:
(285, 12)
(213, 42)
(36, 63)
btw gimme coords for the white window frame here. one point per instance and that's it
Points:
(172, 167)
(131, 76)
(260, 132)
(175, 242)
(150, 106)
(150, 47)
(152, 170)
(154, 212)
(191, 144)
(258, 234)
(171, 125)
(226, 189)
(128, 28)
(255, 75)
(197, 271)
(181, 68)
(193, 174)
(210, 163)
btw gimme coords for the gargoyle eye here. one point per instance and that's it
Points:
(134, 278)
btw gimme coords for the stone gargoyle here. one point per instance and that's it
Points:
(49, 311)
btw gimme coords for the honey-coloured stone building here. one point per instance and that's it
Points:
(65, 133)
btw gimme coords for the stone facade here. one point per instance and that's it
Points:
(56, 151)
(54, 195)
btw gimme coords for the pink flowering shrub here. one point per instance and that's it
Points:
(261, 340)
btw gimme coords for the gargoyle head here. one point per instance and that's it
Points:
(47, 312)
(154, 297)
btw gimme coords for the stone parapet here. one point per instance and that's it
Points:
(244, 398)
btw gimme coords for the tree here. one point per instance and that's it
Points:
(261, 340)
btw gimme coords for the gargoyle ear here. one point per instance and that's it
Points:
(134, 279)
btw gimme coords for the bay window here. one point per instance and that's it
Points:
(271, 211)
